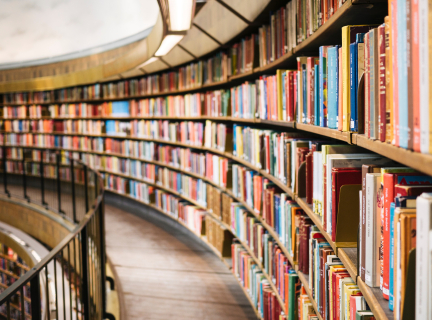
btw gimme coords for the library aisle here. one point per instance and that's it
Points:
(166, 272)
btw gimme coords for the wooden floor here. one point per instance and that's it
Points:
(166, 272)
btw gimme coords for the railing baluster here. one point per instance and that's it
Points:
(73, 190)
(58, 183)
(75, 276)
(55, 287)
(63, 283)
(5, 172)
(70, 280)
(25, 181)
(8, 311)
(85, 276)
(86, 189)
(22, 304)
(35, 297)
(42, 176)
(47, 294)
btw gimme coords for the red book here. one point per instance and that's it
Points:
(290, 93)
(366, 85)
(336, 292)
(295, 94)
(382, 84)
(310, 67)
(340, 177)
(389, 182)
(305, 225)
(406, 190)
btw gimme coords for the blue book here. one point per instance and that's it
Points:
(110, 127)
(284, 114)
(316, 95)
(322, 86)
(120, 108)
(391, 271)
(402, 76)
(333, 85)
(276, 213)
(353, 86)
(234, 140)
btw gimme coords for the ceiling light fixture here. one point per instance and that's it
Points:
(180, 14)
(167, 44)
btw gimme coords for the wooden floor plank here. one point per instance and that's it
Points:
(166, 272)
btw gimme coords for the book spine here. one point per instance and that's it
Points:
(366, 85)
(395, 62)
(353, 87)
(392, 257)
(424, 211)
(372, 84)
(425, 75)
(321, 87)
(317, 96)
(388, 82)
(339, 120)
(332, 83)
(346, 78)
(382, 84)
(388, 192)
(402, 75)
(370, 194)
(415, 74)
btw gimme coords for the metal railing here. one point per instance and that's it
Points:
(68, 283)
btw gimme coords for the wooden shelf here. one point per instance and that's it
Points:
(348, 257)
(376, 302)
(419, 161)
(331, 133)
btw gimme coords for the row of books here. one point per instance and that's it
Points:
(240, 215)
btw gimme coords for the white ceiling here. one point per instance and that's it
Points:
(40, 29)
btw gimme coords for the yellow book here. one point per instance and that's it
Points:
(349, 291)
(347, 31)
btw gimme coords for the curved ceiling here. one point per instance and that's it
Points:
(45, 29)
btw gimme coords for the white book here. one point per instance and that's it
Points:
(424, 75)
(282, 216)
(315, 155)
(372, 277)
(320, 192)
(423, 253)
(343, 161)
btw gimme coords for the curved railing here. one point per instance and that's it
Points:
(68, 283)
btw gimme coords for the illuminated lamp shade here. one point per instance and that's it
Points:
(180, 14)
(167, 44)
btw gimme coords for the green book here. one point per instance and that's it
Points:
(364, 315)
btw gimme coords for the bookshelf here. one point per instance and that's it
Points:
(351, 12)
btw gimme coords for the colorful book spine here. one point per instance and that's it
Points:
(332, 87)
(381, 84)
(425, 74)
(317, 96)
(353, 86)
(402, 75)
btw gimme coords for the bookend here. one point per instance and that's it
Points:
(348, 216)
(226, 244)
(300, 187)
(408, 308)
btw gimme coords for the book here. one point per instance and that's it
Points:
(423, 264)
(333, 86)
